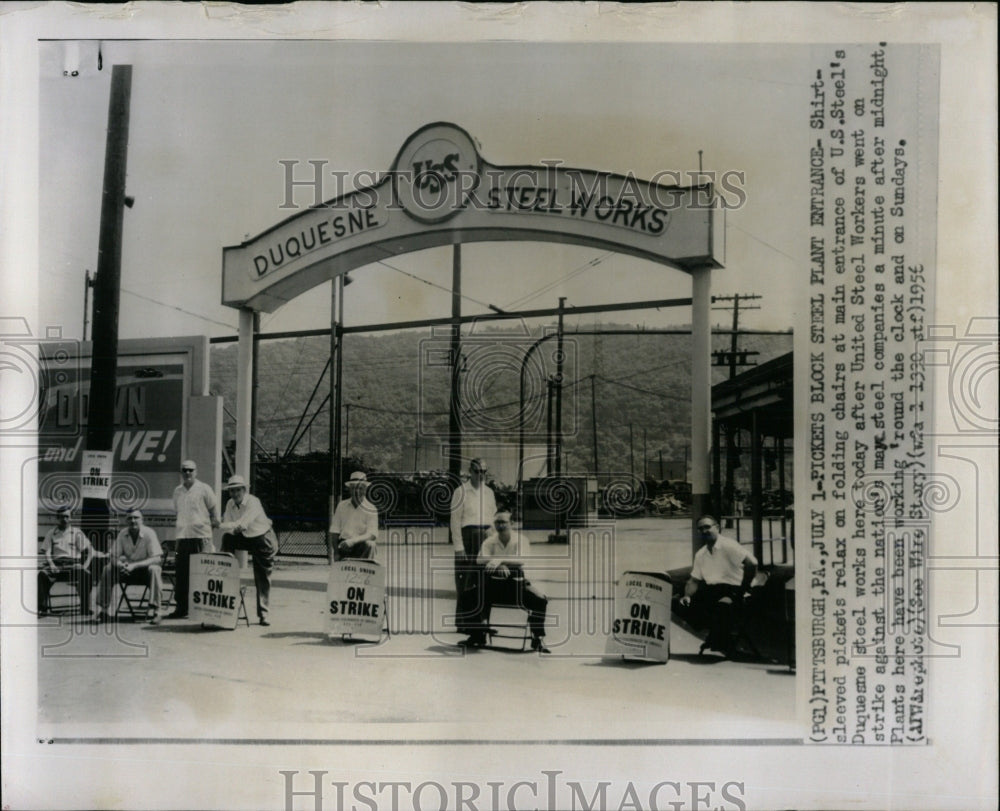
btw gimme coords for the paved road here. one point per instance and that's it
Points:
(288, 681)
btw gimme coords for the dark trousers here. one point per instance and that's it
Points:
(518, 591)
(69, 571)
(363, 550)
(185, 548)
(714, 607)
(262, 549)
(470, 603)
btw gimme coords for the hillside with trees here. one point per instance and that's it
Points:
(397, 388)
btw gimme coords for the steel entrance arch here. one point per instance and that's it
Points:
(440, 191)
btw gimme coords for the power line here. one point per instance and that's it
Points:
(664, 395)
(551, 285)
(179, 309)
(731, 224)
(485, 304)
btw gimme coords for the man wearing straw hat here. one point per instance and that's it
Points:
(246, 526)
(354, 527)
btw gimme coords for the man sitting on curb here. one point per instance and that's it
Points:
(719, 583)
(502, 557)
(246, 526)
(136, 550)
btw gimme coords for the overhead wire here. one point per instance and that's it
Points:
(592, 263)
(179, 309)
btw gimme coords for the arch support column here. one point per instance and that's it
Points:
(701, 397)
(244, 394)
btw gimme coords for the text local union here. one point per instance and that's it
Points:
(336, 227)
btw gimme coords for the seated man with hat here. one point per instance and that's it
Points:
(354, 527)
(246, 526)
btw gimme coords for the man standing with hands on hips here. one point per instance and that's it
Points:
(197, 516)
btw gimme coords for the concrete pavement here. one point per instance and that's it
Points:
(289, 682)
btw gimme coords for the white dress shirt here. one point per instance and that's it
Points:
(471, 507)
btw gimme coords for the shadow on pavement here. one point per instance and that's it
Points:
(626, 664)
(698, 658)
(174, 629)
(295, 635)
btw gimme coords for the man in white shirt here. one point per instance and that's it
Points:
(354, 526)
(67, 554)
(136, 552)
(246, 526)
(473, 506)
(197, 516)
(720, 581)
(503, 558)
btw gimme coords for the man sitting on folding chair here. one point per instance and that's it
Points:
(247, 527)
(133, 560)
(718, 587)
(501, 556)
(67, 554)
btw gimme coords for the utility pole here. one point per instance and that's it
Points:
(255, 365)
(336, 469)
(337, 373)
(347, 430)
(88, 282)
(107, 290)
(559, 387)
(454, 407)
(631, 454)
(593, 420)
(548, 427)
(559, 536)
(734, 357)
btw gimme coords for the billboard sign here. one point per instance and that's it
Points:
(155, 380)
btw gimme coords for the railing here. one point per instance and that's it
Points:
(785, 537)
(311, 542)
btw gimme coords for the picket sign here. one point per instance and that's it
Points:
(214, 596)
(641, 626)
(355, 599)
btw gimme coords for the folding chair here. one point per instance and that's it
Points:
(517, 631)
(63, 595)
(168, 570)
(241, 612)
(140, 607)
(134, 607)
